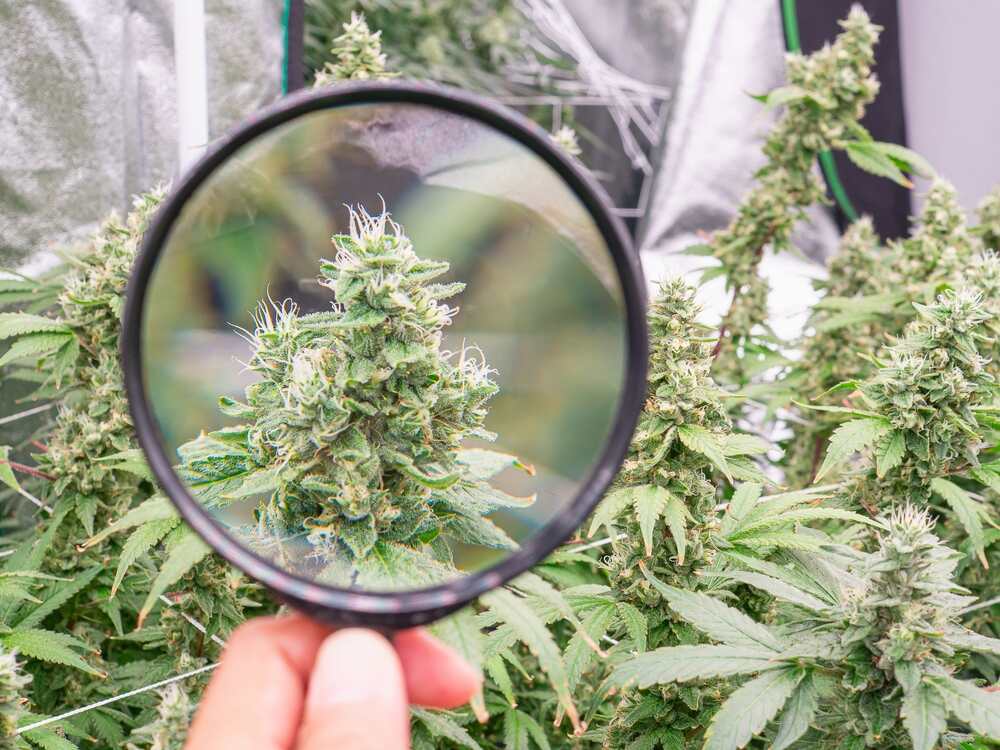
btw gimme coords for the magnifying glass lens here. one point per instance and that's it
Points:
(384, 346)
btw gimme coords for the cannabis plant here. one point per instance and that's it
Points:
(840, 596)
(824, 101)
(358, 55)
(866, 650)
(66, 605)
(465, 43)
(354, 427)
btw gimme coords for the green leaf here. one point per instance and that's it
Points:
(531, 630)
(742, 502)
(262, 482)
(86, 510)
(19, 324)
(798, 714)
(717, 620)
(497, 671)
(676, 516)
(649, 502)
(685, 663)
(57, 596)
(440, 724)
(747, 711)
(987, 477)
(611, 507)
(977, 708)
(462, 633)
(968, 640)
(132, 461)
(518, 727)
(890, 454)
(838, 409)
(850, 438)
(580, 652)
(739, 444)
(7, 475)
(12, 591)
(870, 158)
(155, 508)
(484, 464)
(924, 716)
(777, 588)
(785, 95)
(140, 541)
(479, 531)
(636, 624)
(906, 159)
(35, 345)
(390, 565)
(47, 739)
(187, 551)
(968, 512)
(798, 515)
(45, 645)
(696, 438)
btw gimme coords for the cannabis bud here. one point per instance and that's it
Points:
(355, 428)
(12, 683)
(359, 55)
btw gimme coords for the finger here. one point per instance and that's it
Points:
(435, 675)
(357, 696)
(256, 697)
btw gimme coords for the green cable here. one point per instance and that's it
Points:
(790, 20)
(286, 43)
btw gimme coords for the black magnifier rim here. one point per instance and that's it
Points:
(391, 610)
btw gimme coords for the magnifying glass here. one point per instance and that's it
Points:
(384, 348)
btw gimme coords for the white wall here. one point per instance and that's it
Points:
(951, 88)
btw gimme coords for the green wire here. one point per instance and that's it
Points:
(790, 19)
(286, 43)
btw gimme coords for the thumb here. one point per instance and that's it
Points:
(356, 698)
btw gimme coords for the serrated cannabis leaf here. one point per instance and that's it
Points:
(444, 726)
(798, 714)
(976, 707)
(749, 709)
(685, 663)
(533, 633)
(718, 620)
(890, 454)
(154, 509)
(140, 541)
(968, 512)
(851, 437)
(650, 502)
(924, 716)
(45, 645)
(19, 324)
(700, 440)
(187, 551)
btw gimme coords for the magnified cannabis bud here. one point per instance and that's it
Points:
(355, 429)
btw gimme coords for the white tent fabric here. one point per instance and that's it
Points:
(713, 147)
(89, 105)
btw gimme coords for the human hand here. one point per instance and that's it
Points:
(288, 683)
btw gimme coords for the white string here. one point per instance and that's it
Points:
(115, 699)
(598, 543)
(25, 413)
(24, 493)
(194, 622)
